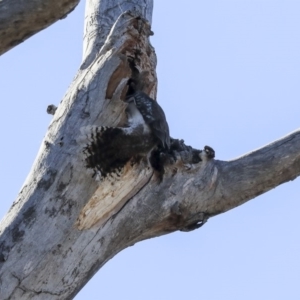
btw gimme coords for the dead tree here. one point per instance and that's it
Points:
(64, 225)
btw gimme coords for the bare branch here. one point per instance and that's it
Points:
(100, 17)
(258, 172)
(19, 20)
(64, 226)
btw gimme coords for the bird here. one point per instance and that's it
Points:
(142, 111)
(107, 149)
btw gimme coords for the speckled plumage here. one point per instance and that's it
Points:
(153, 116)
(107, 149)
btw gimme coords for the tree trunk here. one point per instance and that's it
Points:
(64, 225)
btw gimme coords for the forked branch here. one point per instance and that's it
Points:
(54, 239)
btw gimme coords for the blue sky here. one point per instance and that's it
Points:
(229, 78)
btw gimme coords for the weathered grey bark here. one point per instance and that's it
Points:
(56, 234)
(19, 20)
(99, 17)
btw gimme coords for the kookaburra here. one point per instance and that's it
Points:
(109, 148)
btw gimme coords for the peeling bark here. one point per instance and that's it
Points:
(64, 226)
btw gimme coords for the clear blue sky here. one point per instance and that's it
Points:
(229, 75)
